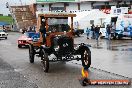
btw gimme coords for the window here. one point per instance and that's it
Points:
(58, 24)
(91, 21)
(57, 8)
(119, 10)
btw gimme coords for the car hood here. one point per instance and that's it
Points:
(3, 33)
(24, 38)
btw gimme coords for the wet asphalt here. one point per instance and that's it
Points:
(114, 56)
(110, 60)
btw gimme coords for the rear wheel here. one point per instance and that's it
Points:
(31, 53)
(5, 37)
(19, 46)
(45, 60)
(86, 58)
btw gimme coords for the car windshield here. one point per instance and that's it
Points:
(30, 34)
(58, 24)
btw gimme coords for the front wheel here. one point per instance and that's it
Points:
(19, 46)
(31, 53)
(86, 58)
(45, 60)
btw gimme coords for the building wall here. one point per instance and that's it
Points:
(33, 8)
(72, 7)
(99, 3)
(115, 3)
(57, 5)
(69, 7)
(45, 8)
(85, 6)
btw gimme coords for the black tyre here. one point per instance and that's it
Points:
(31, 53)
(85, 82)
(45, 60)
(86, 58)
(5, 37)
(19, 46)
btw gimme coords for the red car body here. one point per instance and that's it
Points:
(22, 40)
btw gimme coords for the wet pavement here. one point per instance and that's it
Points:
(114, 56)
(11, 79)
(105, 62)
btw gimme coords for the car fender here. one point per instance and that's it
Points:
(46, 49)
(82, 47)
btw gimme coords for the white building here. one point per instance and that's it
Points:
(74, 5)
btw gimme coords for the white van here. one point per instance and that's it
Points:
(121, 25)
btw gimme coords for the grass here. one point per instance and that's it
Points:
(6, 19)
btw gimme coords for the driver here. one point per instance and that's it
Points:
(43, 32)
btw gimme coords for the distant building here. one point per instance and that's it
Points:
(25, 15)
(75, 5)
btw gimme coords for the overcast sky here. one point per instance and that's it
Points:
(4, 10)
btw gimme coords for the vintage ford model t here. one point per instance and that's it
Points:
(58, 43)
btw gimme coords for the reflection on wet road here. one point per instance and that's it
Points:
(114, 56)
(119, 45)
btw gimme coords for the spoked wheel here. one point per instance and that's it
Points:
(45, 60)
(31, 53)
(86, 58)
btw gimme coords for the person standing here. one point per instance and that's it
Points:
(93, 31)
(108, 30)
(88, 31)
(97, 30)
(24, 30)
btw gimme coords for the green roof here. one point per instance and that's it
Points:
(7, 19)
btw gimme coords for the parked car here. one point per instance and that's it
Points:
(119, 34)
(3, 34)
(78, 32)
(121, 26)
(28, 36)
